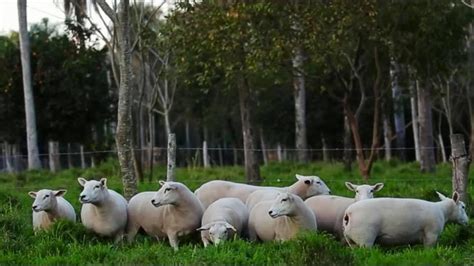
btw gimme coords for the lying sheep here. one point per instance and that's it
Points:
(216, 189)
(280, 219)
(49, 206)
(329, 210)
(104, 211)
(390, 221)
(305, 187)
(173, 211)
(222, 219)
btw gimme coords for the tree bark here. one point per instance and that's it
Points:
(170, 173)
(124, 136)
(398, 109)
(299, 93)
(53, 151)
(427, 157)
(347, 156)
(252, 171)
(461, 162)
(387, 138)
(414, 118)
(25, 50)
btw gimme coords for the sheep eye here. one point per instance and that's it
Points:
(318, 182)
(97, 186)
(371, 191)
(46, 196)
(284, 199)
(167, 189)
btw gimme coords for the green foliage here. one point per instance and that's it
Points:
(69, 243)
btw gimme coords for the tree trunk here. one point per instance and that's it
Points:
(69, 156)
(264, 148)
(205, 155)
(347, 156)
(398, 109)
(9, 157)
(188, 140)
(427, 158)
(386, 137)
(83, 157)
(325, 150)
(300, 105)
(414, 117)
(151, 143)
(221, 156)
(170, 173)
(441, 147)
(124, 136)
(252, 171)
(31, 135)
(53, 151)
(167, 123)
(279, 153)
(235, 157)
(461, 162)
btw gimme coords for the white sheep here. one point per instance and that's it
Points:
(329, 210)
(305, 187)
(280, 219)
(391, 221)
(216, 189)
(49, 206)
(222, 220)
(172, 211)
(103, 211)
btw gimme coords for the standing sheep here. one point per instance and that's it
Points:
(216, 189)
(390, 221)
(222, 219)
(280, 219)
(49, 206)
(173, 211)
(104, 211)
(305, 187)
(329, 210)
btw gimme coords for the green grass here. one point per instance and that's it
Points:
(70, 243)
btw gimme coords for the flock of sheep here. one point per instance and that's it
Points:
(221, 210)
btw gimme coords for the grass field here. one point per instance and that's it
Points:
(69, 243)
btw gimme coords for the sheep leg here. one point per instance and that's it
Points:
(173, 239)
(205, 241)
(430, 239)
(118, 237)
(132, 231)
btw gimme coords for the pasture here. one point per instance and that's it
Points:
(68, 243)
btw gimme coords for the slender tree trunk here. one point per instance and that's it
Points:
(53, 151)
(235, 157)
(441, 147)
(398, 109)
(264, 148)
(188, 141)
(252, 170)
(31, 135)
(299, 92)
(170, 173)
(386, 137)
(9, 157)
(414, 119)
(124, 136)
(205, 155)
(325, 150)
(461, 163)
(347, 156)
(221, 156)
(83, 157)
(427, 158)
(167, 123)
(69, 156)
(151, 143)
(279, 153)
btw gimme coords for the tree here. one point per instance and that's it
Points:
(32, 139)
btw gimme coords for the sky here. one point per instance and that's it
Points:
(36, 11)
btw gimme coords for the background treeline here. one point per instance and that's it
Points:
(301, 80)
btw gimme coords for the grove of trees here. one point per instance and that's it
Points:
(352, 81)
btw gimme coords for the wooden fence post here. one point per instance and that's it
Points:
(461, 162)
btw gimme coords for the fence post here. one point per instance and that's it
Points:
(461, 162)
(170, 174)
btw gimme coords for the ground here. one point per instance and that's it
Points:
(69, 243)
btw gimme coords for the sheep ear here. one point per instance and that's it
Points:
(103, 182)
(81, 181)
(299, 177)
(351, 186)
(32, 194)
(59, 193)
(229, 226)
(204, 227)
(161, 182)
(441, 196)
(456, 196)
(377, 187)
